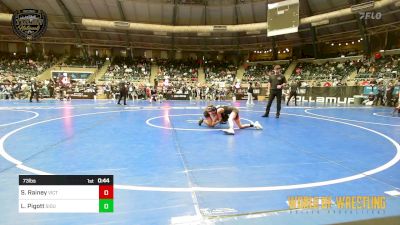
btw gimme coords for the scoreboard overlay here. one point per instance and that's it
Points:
(66, 193)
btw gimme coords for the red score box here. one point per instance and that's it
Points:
(106, 192)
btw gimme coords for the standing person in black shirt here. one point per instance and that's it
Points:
(293, 91)
(50, 86)
(389, 94)
(123, 92)
(381, 93)
(34, 90)
(276, 82)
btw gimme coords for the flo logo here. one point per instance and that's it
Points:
(370, 15)
(29, 24)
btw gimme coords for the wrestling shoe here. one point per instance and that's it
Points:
(201, 121)
(257, 125)
(229, 131)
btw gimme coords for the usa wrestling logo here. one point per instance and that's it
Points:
(29, 24)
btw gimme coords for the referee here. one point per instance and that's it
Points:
(123, 92)
(276, 82)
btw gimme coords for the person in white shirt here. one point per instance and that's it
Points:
(250, 91)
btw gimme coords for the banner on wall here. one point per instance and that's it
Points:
(342, 95)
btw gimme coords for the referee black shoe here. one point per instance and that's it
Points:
(265, 115)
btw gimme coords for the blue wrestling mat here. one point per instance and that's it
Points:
(169, 171)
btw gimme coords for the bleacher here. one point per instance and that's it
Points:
(178, 70)
(385, 68)
(79, 61)
(259, 72)
(23, 67)
(16, 72)
(220, 71)
(325, 72)
(131, 70)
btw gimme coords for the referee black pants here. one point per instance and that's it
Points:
(36, 93)
(278, 94)
(122, 94)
